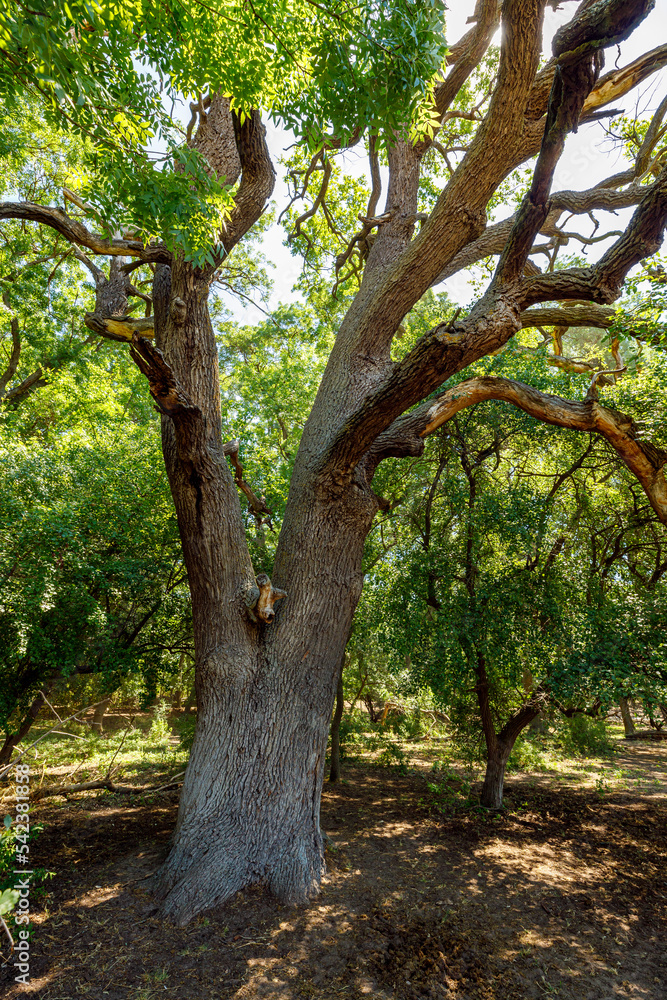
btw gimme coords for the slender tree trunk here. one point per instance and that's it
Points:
(178, 692)
(334, 770)
(13, 739)
(626, 715)
(98, 718)
(498, 745)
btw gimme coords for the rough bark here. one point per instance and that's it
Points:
(491, 796)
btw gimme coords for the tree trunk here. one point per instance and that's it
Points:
(249, 809)
(98, 718)
(494, 778)
(334, 770)
(13, 739)
(626, 715)
(539, 724)
(498, 745)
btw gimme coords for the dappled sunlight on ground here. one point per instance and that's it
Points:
(564, 896)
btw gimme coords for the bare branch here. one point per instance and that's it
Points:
(321, 195)
(256, 504)
(80, 203)
(123, 328)
(360, 244)
(603, 281)
(652, 137)
(96, 272)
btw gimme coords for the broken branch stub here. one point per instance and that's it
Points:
(261, 599)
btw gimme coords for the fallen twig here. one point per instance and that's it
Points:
(85, 786)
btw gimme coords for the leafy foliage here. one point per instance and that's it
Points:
(106, 71)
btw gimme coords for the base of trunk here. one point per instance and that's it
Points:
(494, 780)
(249, 809)
(190, 882)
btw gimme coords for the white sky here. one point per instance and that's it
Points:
(587, 158)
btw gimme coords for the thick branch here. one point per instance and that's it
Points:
(78, 235)
(602, 282)
(644, 460)
(467, 53)
(123, 329)
(257, 179)
(600, 317)
(494, 238)
(459, 215)
(576, 48)
(26, 388)
(493, 320)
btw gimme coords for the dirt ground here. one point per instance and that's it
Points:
(564, 895)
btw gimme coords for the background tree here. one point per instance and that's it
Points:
(266, 680)
(523, 572)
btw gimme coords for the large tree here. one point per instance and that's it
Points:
(266, 677)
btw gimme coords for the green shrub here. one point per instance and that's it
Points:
(8, 895)
(582, 736)
(393, 755)
(160, 731)
(528, 754)
(448, 792)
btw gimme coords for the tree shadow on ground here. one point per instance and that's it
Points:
(564, 895)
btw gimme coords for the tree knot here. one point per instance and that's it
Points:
(177, 311)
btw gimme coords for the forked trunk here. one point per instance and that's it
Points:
(249, 809)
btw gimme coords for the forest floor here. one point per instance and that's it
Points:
(563, 895)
